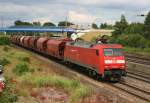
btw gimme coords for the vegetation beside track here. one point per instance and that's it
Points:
(21, 66)
(133, 36)
(4, 40)
(141, 52)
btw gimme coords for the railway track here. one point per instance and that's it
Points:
(133, 90)
(138, 76)
(139, 60)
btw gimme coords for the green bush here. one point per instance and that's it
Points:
(25, 59)
(8, 95)
(4, 40)
(80, 92)
(21, 69)
(4, 61)
(6, 49)
(122, 40)
(136, 40)
(141, 51)
(131, 40)
(57, 81)
(148, 44)
(147, 50)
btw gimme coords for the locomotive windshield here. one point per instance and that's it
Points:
(113, 52)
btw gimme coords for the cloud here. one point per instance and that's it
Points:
(79, 11)
(81, 17)
(116, 3)
(42, 20)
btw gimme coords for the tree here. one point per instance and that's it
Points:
(120, 26)
(134, 28)
(106, 26)
(49, 24)
(21, 23)
(134, 40)
(94, 26)
(147, 27)
(103, 26)
(18, 22)
(36, 23)
(65, 23)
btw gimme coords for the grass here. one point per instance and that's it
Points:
(80, 92)
(145, 52)
(24, 58)
(6, 48)
(90, 36)
(21, 69)
(4, 61)
(4, 40)
(71, 86)
(8, 95)
(21, 66)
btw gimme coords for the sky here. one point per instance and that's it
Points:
(76, 11)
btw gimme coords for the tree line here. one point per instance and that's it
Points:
(102, 26)
(61, 23)
(134, 34)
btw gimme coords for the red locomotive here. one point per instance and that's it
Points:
(105, 60)
(2, 84)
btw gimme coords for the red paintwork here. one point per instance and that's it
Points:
(21, 40)
(26, 41)
(2, 86)
(83, 56)
(88, 57)
(41, 43)
(18, 39)
(15, 39)
(32, 42)
(55, 47)
(115, 64)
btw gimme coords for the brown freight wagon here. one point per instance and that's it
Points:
(32, 42)
(26, 41)
(41, 44)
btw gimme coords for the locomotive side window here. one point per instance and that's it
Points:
(113, 52)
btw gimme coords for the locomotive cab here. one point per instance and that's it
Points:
(114, 62)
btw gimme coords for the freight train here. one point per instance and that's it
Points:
(102, 60)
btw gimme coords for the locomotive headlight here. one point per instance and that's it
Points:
(108, 61)
(114, 61)
(120, 61)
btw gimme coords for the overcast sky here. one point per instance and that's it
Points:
(77, 11)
